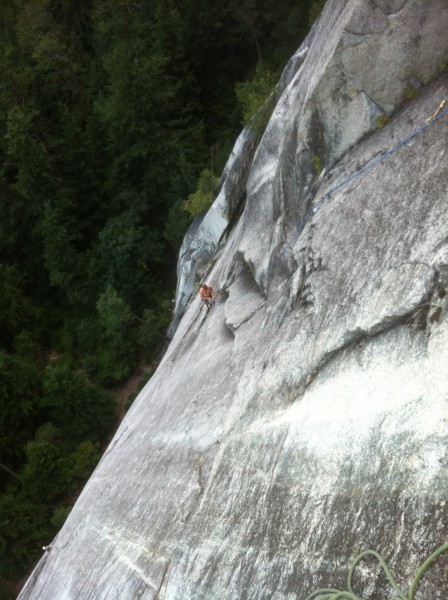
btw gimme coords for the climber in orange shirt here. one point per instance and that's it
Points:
(207, 295)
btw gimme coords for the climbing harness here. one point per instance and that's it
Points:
(333, 594)
(440, 112)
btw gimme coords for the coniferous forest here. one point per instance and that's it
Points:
(110, 111)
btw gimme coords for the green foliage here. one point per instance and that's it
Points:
(114, 359)
(114, 315)
(381, 121)
(153, 325)
(317, 163)
(443, 65)
(203, 197)
(16, 308)
(48, 433)
(82, 462)
(60, 515)
(149, 331)
(124, 250)
(314, 11)
(59, 256)
(110, 111)
(5, 591)
(105, 342)
(24, 149)
(411, 92)
(176, 226)
(43, 475)
(257, 99)
(23, 532)
(20, 391)
(78, 408)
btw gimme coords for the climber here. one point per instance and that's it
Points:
(207, 295)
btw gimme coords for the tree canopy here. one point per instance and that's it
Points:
(112, 114)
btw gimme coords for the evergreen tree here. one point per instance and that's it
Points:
(110, 111)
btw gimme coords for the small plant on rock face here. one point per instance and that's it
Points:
(443, 66)
(381, 121)
(257, 99)
(203, 197)
(412, 92)
(317, 163)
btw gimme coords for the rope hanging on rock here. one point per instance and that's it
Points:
(429, 121)
(333, 594)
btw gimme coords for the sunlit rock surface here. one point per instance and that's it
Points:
(306, 419)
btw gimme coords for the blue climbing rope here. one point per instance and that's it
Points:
(349, 594)
(376, 161)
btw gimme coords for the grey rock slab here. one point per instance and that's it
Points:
(332, 101)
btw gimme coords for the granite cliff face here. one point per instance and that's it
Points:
(306, 418)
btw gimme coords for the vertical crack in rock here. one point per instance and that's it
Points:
(200, 486)
(164, 577)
